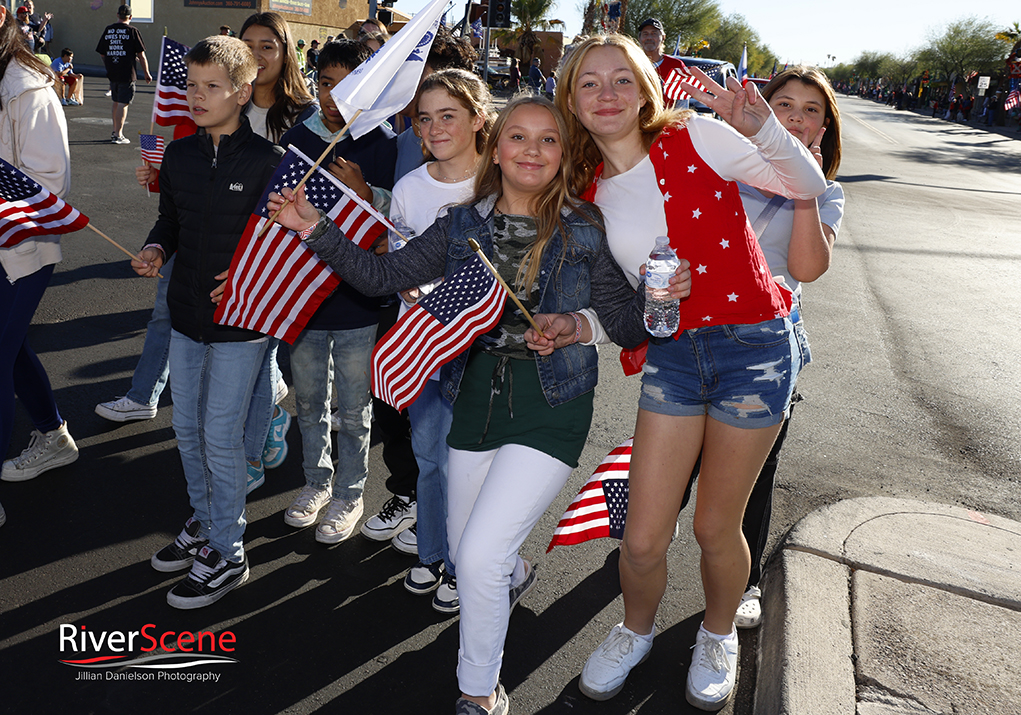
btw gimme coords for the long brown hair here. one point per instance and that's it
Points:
(813, 77)
(653, 118)
(471, 92)
(14, 47)
(290, 92)
(548, 203)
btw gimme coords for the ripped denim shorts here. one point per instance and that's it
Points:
(741, 375)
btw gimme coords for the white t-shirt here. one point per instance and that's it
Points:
(632, 203)
(257, 118)
(418, 200)
(775, 239)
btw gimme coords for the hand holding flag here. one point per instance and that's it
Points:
(277, 283)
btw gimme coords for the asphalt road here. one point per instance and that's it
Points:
(913, 392)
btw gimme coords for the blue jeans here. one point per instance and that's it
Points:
(212, 389)
(260, 411)
(431, 416)
(153, 366)
(20, 369)
(153, 369)
(318, 358)
(740, 375)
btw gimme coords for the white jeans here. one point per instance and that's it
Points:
(494, 499)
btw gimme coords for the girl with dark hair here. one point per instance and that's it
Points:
(281, 98)
(521, 411)
(33, 139)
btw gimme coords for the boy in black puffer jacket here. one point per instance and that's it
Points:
(210, 184)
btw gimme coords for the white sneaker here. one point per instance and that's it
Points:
(713, 671)
(121, 140)
(124, 409)
(281, 391)
(608, 667)
(340, 521)
(396, 515)
(407, 541)
(45, 452)
(304, 510)
(749, 613)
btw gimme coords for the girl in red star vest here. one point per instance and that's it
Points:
(722, 384)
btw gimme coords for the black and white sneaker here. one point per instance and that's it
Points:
(398, 514)
(521, 590)
(180, 554)
(423, 579)
(210, 579)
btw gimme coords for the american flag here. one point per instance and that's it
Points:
(27, 209)
(1013, 99)
(152, 149)
(672, 88)
(170, 105)
(277, 282)
(600, 509)
(435, 331)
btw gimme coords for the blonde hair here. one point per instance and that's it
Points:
(549, 202)
(813, 77)
(229, 53)
(473, 94)
(653, 117)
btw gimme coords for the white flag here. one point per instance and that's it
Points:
(385, 83)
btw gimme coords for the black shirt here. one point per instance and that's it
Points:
(119, 45)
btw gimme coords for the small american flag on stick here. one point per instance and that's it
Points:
(27, 209)
(170, 105)
(277, 282)
(673, 88)
(600, 509)
(435, 331)
(152, 149)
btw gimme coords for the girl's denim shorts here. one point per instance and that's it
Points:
(741, 375)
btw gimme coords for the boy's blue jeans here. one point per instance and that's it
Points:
(431, 416)
(153, 369)
(212, 389)
(320, 359)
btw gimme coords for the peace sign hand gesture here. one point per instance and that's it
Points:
(741, 107)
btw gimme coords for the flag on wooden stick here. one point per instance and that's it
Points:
(437, 329)
(28, 209)
(386, 82)
(277, 282)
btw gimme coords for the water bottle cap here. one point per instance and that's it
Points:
(665, 240)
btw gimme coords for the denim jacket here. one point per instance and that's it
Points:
(586, 277)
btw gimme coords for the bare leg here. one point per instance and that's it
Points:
(731, 460)
(665, 450)
(120, 115)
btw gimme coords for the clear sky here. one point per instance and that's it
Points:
(809, 32)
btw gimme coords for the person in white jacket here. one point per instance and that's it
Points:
(33, 138)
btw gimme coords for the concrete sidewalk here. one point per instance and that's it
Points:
(882, 606)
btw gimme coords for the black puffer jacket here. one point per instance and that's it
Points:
(206, 199)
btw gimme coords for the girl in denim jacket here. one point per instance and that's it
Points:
(521, 410)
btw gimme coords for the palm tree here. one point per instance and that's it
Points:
(531, 15)
(1012, 36)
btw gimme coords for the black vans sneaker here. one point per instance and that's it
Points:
(210, 579)
(179, 555)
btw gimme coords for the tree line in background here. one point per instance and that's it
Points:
(701, 28)
(964, 49)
